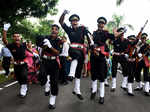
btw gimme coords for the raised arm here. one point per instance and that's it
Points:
(4, 38)
(62, 17)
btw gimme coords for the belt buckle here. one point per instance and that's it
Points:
(79, 47)
(53, 57)
(44, 56)
(21, 63)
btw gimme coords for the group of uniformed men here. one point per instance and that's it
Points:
(130, 52)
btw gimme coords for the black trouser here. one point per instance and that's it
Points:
(51, 67)
(6, 64)
(122, 60)
(21, 73)
(63, 70)
(79, 55)
(141, 65)
(131, 71)
(98, 68)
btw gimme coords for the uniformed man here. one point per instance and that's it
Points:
(140, 63)
(17, 49)
(52, 47)
(77, 35)
(143, 54)
(132, 53)
(120, 45)
(97, 59)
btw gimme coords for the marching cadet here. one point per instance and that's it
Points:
(132, 54)
(52, 47)
(120, 45)
(77, 35)
(97, 59)
(17, 49)
(140, 63)
(143, 54)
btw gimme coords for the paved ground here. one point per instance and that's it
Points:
(118, 101)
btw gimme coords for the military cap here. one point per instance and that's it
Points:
(144, 35)
(55, 25)
(121, 29)
(102, 20)
(131, 37)
(74, 17)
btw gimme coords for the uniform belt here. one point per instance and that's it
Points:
(77, 46)
(117, 53)
(131, 59)
(19, 63)
(49, 57)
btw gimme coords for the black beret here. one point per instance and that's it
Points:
(144, 35)
(131, 37)
(74, 17)
(55, 25)
(102, 20)
(121, 29)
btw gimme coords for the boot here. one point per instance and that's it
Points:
(77, 89)
(72, 72)
(52, 102)
(130, 91)
(146, 89)
(23, 90)
(94, 89)
(113, 84)
(102, 93)
(124, 83)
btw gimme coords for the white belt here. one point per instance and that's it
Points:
(131, 59)
(77, 46)
(19, 63)
(49, 57)
(116, 53)
(98, 49)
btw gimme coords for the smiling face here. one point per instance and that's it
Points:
(100, 25)
(54, 31)
(74, 23)
(16, 38)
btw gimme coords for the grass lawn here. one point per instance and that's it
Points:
(3, 78)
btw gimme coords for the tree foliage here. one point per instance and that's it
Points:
(119, 2)
(16, 10)
(117, 21)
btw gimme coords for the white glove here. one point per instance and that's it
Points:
(35, 54)
(139, 55)
(66, 12)
(47, 43)
(126, 55)
(6, 26)
(107, 60)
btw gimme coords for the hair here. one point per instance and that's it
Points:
(55, 25)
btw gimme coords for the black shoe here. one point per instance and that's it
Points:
(130, 94)
(74, 93)
(125, 89)
(47, 93)
(70, 78)
(78, 95)
(106, 85)
(93, 96)
(21, 96)
(112, 89)
(146, 94)
(138, 89)
(101, 100)
(51, 106)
